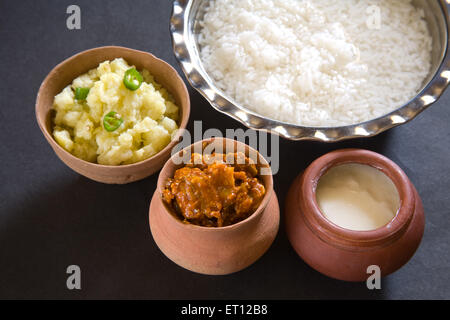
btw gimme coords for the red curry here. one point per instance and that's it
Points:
(212, 193)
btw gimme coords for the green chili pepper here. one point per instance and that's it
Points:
(81, 93)
(112, 121)
(132, 79)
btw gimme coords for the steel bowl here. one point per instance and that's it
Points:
(184, 27)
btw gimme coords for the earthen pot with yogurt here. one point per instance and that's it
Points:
(322, 221)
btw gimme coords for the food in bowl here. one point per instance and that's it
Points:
(316, 63)
(215, 190)
(114, 115)
(357, 197)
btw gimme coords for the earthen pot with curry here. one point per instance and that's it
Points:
(214, 210)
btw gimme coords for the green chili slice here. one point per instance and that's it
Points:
(81, 93)
(132, 79)
(112, 121)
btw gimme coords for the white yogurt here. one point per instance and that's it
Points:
(357, 197)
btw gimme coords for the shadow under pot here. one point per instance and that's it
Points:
(316, 222)
(214, 250)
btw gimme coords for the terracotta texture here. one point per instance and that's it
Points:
(345, 254)
(64, 73)
(214, 251)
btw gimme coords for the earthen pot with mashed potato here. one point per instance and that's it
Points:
(113, 114)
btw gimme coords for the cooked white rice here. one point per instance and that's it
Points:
(316, 62)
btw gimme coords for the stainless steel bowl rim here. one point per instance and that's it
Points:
(197, 77)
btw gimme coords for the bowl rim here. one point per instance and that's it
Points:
(252, 217)
(348, 237)
(49, 137)
(198, 78)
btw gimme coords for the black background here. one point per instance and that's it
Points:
(51, 217)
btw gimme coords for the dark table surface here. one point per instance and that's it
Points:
(51, 217)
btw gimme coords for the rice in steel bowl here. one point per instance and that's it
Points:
(316, 63)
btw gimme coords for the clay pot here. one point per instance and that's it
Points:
(346, 254)
(214, 251)
(64, 73)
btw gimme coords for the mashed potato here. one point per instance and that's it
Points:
(149, 117)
